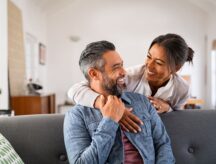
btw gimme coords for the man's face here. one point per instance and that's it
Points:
(112, 78)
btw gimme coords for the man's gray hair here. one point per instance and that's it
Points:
(92, 56)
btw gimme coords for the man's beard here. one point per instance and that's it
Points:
(111, 86)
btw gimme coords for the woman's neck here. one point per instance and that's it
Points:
(154, 86)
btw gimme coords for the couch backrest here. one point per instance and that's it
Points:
(193, 135)
(38, 139)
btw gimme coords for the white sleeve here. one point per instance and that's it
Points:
(182, 101)
(81, 93)
(134, 76)
(182, 94)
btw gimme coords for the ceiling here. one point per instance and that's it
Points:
(206, 5)
(49, 5)
(46, 3)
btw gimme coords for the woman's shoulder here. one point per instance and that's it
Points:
(180, 83)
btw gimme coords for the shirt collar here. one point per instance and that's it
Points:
(125, 98)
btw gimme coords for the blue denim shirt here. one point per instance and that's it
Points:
(91, 139)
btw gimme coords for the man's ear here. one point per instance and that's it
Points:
(93, 73)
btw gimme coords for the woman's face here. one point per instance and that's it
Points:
(157, 67)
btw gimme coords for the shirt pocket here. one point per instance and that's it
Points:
(146, 127)
(142, 113)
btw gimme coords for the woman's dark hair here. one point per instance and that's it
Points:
(176, 48)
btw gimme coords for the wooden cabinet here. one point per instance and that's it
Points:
(42, 104)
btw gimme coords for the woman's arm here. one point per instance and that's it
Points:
(81, 93)
(134, 76)
(181, 94)
(182, 101)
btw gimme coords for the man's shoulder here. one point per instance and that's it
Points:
(132, 96)
(139, 103)
(79, 110)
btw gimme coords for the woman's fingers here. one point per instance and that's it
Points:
(128, 126)
(160, 105)
(130, 121)
(123, 127)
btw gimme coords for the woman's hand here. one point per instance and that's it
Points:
(160, 105)
(130, 122)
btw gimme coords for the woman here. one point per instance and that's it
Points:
(156, 79)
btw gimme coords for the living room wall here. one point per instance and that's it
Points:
(211, 38)
(131, 25)
(34, 24)
(3, 56)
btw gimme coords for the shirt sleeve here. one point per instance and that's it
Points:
(82, 94)
(134, 76)
(163, 149)
(182, 94)
(83, 148)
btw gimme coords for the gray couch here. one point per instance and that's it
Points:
(38, 139)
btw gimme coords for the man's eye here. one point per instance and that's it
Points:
(115, 68)
(149, 57)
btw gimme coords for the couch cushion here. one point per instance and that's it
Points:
(7, 152)
(38, 139)
(193, 135)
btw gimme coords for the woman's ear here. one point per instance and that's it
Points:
(93, 74)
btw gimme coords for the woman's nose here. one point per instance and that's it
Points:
(150, 64)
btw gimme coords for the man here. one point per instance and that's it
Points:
(94, 136)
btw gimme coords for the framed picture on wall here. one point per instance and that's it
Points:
(42, 54)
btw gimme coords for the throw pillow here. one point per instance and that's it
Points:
(7, 154)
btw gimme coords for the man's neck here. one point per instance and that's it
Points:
(97, 88)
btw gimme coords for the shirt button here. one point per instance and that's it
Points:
(62, 157)
(191, 150)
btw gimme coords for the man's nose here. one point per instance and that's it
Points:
(123, 72)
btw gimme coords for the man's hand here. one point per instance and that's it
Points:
(130, 122)
(160, 105)
(112, 108)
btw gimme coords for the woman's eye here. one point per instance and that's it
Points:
(159, 63)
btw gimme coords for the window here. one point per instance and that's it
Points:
(213, 78)
(31, 50)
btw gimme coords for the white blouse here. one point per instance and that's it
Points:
(175, 92)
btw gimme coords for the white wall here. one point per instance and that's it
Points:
(131, 25)
(3, 55)
(35, 23)
(211, 37)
